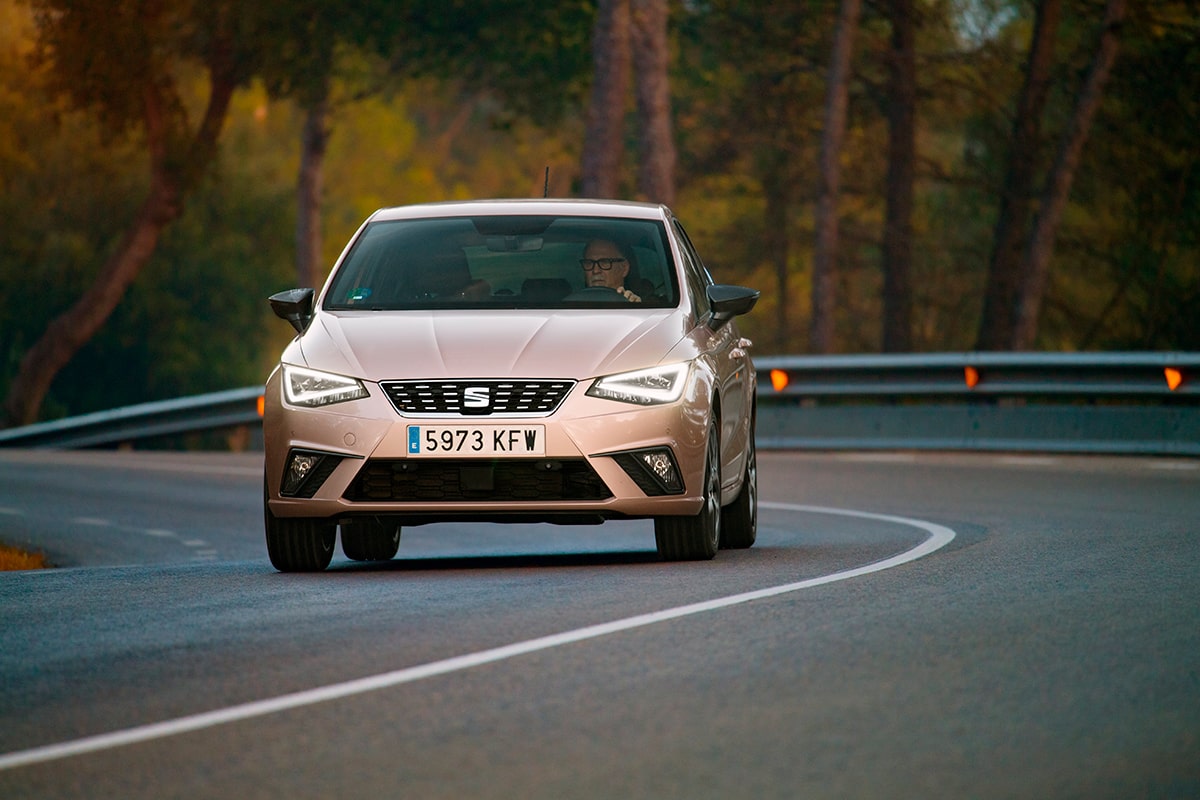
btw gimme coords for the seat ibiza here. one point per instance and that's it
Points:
(557, 361)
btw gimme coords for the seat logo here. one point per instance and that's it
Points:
(477, 397)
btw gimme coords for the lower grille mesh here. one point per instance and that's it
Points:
(465, 480)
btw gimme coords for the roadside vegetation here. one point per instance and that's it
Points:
(13, 559)
(886, 172)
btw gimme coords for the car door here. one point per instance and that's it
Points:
(732, 364)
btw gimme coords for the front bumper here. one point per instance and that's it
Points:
(367, 447)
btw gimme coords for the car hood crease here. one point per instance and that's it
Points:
(576, 344)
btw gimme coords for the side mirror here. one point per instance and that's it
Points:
(294, 305)
(729, 301)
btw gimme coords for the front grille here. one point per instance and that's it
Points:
(511, 397)
(464, 480)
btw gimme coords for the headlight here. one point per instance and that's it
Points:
(646, 387)
(308, 387)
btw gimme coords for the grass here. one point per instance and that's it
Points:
(12, 558)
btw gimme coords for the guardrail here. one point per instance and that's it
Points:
(1146, 403)
(205, 412)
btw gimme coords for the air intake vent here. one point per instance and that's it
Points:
(455, 480)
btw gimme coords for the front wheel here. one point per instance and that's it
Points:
(695, 538)
(370, 539)
(299, 545)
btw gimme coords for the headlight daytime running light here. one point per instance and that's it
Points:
(311, 388)
(645, 387)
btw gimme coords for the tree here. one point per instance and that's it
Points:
(310, 180)
(475, 44)
(656, 142)
(824, 278)
(1036, 264)
(131, 82)
(1004, 268)
(128, 61)
(1135, 282)
(630, 37)
(603, 142)
(304, 37)
(897, 230)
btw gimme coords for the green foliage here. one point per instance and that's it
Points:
(533, 54)
(748, 84)
(65, 183)
(1128, 271)
(196, 321)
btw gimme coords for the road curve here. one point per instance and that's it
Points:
(1034, 633)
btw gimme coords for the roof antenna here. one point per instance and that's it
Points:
(546, 185)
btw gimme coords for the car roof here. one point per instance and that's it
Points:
(522, 206)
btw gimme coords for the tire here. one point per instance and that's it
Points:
(739, 519)
(370, 539)
(695, 538)
(299, 545)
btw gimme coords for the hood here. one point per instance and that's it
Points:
(485, 344)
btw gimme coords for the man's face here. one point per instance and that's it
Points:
(598, 255)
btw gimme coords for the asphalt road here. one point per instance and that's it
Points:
(906, 626)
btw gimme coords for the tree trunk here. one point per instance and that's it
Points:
(309, 187)
(897, 232)
(603, 141)
(824, 278)
(778, 191)
(1058, 187)
(172, 174)
(656, 144)
(998, 321)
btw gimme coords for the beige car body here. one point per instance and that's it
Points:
(487, 344)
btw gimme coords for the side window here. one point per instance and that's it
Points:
(695, 274)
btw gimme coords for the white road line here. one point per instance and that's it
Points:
(1028, 461)
(96, 521)
(1174, 465)
(159, 532)
(878, 458)
(200, 469)
(195, 543)
(939, 537)
(14, 512)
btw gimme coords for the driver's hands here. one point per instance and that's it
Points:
(630, 296)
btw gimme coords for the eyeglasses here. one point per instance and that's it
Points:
(592, 264)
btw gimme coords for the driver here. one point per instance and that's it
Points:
(605, 265)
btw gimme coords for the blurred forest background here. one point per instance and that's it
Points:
(895, 175)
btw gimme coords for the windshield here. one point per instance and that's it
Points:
(506, 262)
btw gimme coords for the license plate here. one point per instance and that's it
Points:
(476, 440)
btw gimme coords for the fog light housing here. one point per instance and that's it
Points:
(654, 470)
(305, 471)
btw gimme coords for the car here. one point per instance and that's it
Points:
(524, 361)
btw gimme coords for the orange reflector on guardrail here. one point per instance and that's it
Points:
(779, 379)
(1174, 378)
(262, 405)
(971, 375)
